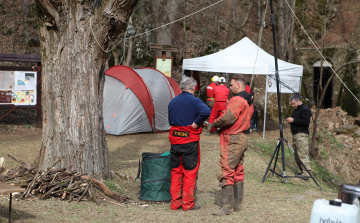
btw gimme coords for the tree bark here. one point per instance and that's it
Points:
(164, 36)
(72, 34)
(247, 15)
(261, 28)
(130, 48)
(281, 29)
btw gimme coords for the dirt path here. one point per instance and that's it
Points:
(272, 201)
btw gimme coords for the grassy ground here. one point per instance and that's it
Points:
(272, 201)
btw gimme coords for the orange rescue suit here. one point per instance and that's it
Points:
(221, 95)
(233, 142)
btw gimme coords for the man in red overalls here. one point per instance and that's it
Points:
(221, 95)
(233, 144)
(210, 91)
(186, 114)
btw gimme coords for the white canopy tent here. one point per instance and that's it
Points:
(245, 57)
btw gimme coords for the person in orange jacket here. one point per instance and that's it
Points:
(233, 144)
(221, 95)
(210, 91)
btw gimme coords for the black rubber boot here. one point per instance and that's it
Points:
(228, 200)
(208, 129)
(238, 195)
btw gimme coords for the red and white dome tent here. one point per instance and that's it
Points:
(136, 100)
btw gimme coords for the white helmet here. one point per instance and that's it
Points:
(215, 79)
(222, 80)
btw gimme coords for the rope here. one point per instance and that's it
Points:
(146, 32)
(319, 51)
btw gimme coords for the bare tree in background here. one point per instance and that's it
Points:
(164, 35)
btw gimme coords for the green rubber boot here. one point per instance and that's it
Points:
(228, 200)
(208, 129)
(238, 195)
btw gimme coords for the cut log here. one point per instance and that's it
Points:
(106, 190)
(25, 165)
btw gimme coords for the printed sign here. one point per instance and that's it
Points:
(164, 65)
(292, 82)
(18, 87)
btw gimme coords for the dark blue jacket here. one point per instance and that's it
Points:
(185, 109)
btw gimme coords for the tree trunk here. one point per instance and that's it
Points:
(163, 36)
(247, 15)
(261, 28)
(25, 24)
(130, 48)
(116, 54)
(312, 151)
(73, 77)
(281, 29)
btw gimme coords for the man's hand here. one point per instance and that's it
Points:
(289, 120)
(195, 126)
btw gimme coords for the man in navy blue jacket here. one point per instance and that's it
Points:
(186, 114)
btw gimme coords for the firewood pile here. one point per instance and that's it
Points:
(57, 183)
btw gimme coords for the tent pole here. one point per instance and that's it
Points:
(266, 90)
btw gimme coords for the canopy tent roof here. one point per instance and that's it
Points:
(240, 58)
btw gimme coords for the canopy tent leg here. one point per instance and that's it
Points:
(266, 90)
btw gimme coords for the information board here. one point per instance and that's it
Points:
(164, 64)
(18, 87)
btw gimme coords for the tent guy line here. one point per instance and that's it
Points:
(146, 32)
(302, 27)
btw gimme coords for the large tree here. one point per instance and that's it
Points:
(74, 35)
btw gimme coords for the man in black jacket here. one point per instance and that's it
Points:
(299, 121)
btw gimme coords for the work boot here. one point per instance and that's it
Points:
(302, 174)
(196, 207)
(228, 200)
(238, 195)
(208, 129)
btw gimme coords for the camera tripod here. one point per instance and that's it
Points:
(280, 144)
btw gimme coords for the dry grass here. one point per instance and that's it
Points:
(272, 201)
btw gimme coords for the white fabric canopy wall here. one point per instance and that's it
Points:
(244, 57)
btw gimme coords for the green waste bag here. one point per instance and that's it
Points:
(155, 171)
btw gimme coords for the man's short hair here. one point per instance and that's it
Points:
(240, 78)
(187, 83)
(295, 97)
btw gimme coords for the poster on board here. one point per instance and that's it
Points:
(164, 64)
(18, 87)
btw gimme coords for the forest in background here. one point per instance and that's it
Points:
(332, 24)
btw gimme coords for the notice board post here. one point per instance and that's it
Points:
(21, 87)
(164, 64)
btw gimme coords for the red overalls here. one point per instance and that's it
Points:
(221, 95)
(233, 143)
(210, 94)
(185, 162)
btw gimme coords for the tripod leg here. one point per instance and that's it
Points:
(277, 155)
(283, 159)
(276, 151)
(302, 164)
